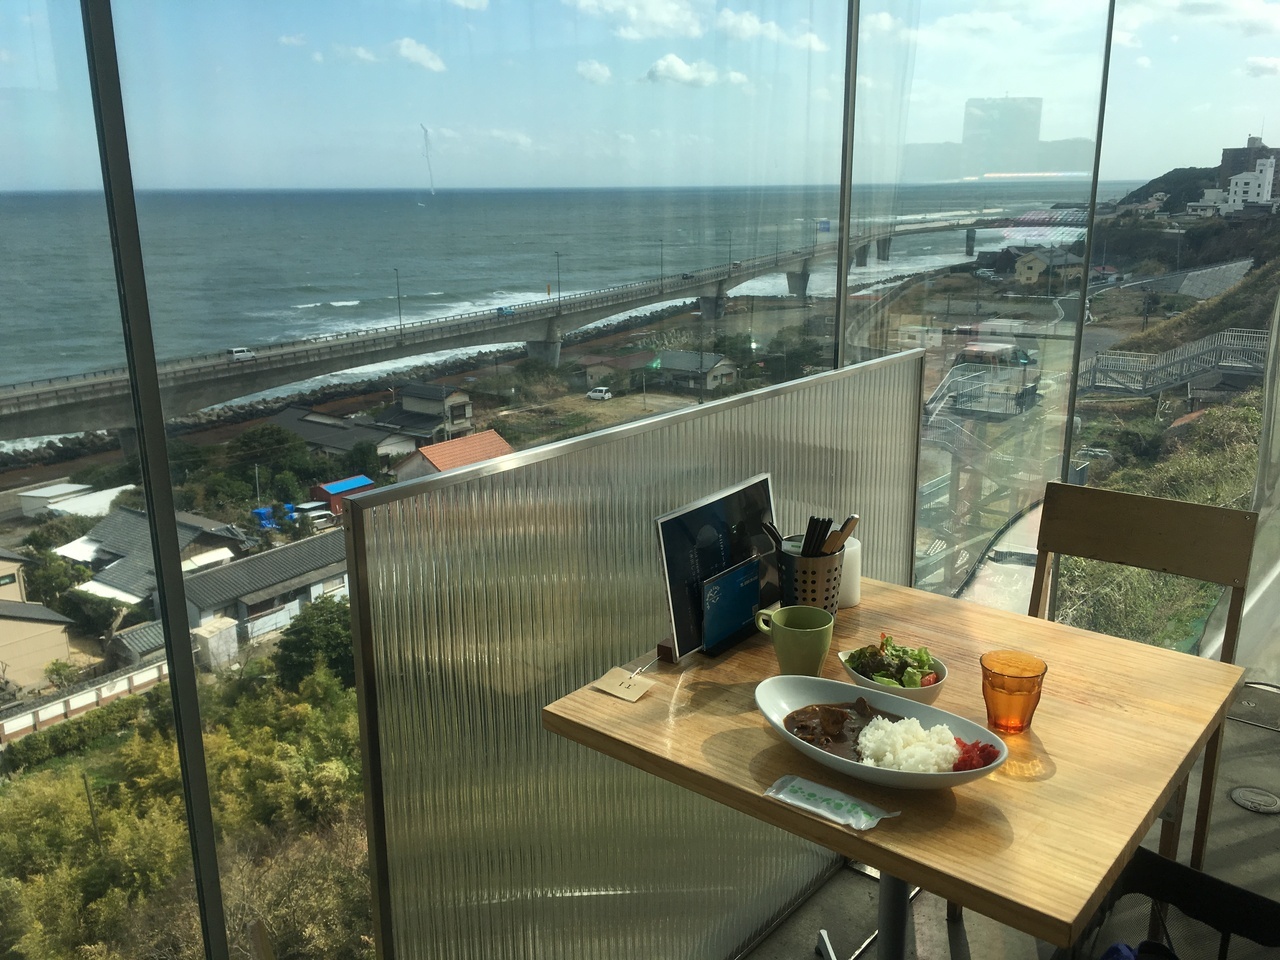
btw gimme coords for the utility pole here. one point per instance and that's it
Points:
(399, 314)
(702, 356)
(559, 295)
(662, 270)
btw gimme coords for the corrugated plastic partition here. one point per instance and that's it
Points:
(482, 595)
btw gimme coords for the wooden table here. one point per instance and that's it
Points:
(1036, 845)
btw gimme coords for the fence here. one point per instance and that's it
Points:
(23, 718)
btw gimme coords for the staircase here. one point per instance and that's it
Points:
(1239, 352)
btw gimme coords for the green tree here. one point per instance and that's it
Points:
(52, 532)
(320, 633)
(49, 576)
(96, 616)
(273, 448)
(186, 460)
(790, 352)
(61, 674)
(362, 459)
(286, 487)
(105, 476)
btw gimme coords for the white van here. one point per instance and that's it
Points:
(240, 353)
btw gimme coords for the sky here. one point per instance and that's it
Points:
(600, 93)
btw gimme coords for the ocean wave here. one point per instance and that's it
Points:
(344, 303)
(306, 306)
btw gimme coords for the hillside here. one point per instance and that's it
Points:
(1183, 185)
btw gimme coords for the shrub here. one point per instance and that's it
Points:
(71, 735)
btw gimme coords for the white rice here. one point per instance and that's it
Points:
(905, 745)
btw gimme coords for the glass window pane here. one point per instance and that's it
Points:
(94, 849)
(973, 160)
(384, 242)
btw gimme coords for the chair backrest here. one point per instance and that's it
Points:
(1213, 544)
(1223, 909)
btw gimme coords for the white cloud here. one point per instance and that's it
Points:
(471, 4)
(514, 137)
(809, 41)
(645, 19)
(317, 56)
(593, 71)
(1248, 17)
(1262, 66)
(1124, 38)
(674, 70)
(418, 53)
(296, 40)
(357, 53)
(447, 132)
(627, 137)
(5, 55)
(734, 77)
(747, 26)
(1143, 62)
(882, 21)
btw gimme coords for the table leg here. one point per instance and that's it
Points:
(892, 918)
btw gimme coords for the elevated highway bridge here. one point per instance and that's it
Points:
(101, 400)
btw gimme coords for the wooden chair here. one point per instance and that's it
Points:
(1213, 544)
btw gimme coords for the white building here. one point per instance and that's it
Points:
(1252, 187)
(1209, 205)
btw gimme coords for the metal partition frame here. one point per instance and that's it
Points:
(482, 594)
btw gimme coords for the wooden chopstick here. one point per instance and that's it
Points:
(837, 538)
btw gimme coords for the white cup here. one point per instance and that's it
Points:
(851, 574)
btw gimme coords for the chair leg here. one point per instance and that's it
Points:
(1204, 809)
(955, 912)
(1171, 823)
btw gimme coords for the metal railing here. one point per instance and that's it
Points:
(1230, 351)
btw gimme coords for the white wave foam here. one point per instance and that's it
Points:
(344, 303)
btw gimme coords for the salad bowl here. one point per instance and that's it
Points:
(926, 694)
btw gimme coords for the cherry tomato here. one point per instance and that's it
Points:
(929, 679)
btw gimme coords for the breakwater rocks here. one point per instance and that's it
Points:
(74, 447)
(61, 450)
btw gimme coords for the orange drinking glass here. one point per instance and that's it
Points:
(1011, 683)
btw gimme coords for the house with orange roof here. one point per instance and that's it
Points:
(439, 457)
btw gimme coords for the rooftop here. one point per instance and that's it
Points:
(465, 450)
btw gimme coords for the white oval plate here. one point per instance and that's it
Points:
(778, 696)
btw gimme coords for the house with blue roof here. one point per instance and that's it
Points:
(331, 493)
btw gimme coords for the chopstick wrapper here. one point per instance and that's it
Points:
(827, 803)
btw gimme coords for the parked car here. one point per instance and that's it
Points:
(599, 393)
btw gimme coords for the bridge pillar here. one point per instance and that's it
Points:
(970, 241)
(882, 248)
(547, 351)
(860, 255)
(798, 283)
(712, 307)
(128, 437)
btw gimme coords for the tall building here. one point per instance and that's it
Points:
(1001, 135)
(1245, 160)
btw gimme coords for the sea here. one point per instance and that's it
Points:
(250, 268)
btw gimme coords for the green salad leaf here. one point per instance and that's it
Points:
(891, 664)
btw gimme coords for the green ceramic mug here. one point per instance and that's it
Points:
(801, 637)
